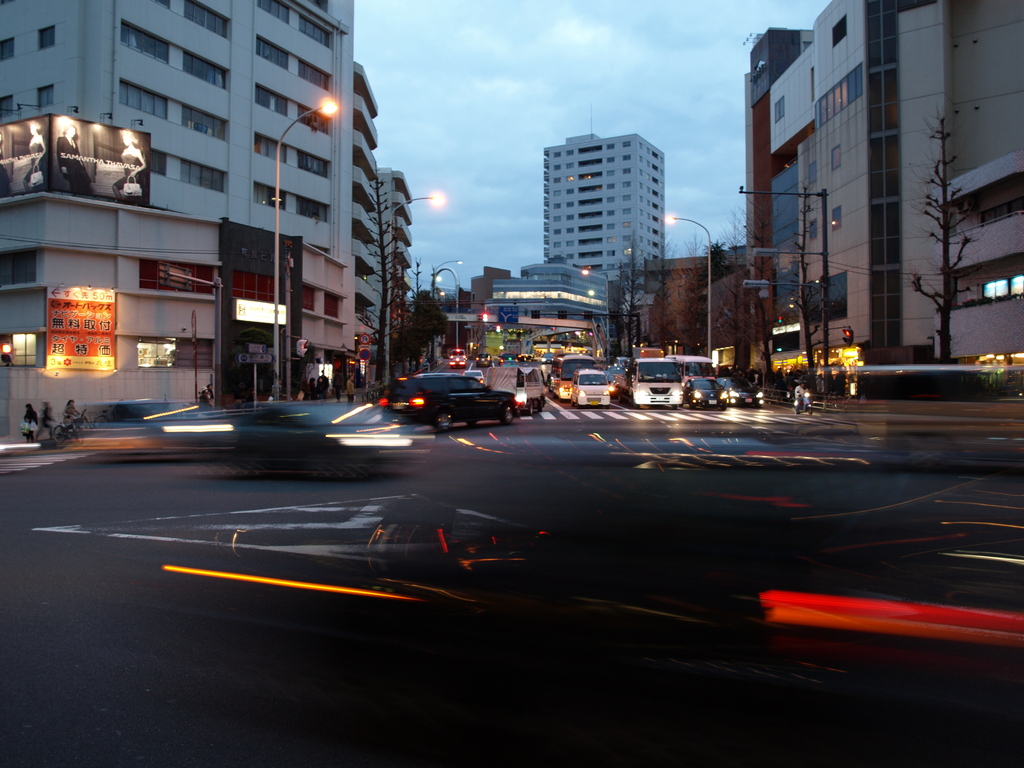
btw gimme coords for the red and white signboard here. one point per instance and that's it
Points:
(80, 329)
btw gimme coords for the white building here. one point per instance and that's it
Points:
(206, 91)
(603, 197)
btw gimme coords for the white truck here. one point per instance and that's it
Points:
(652, 381)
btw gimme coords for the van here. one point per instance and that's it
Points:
(693, 365)
(652, 381)
(562, 370)
(590, 387)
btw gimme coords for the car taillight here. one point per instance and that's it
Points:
(521, 399)
(383, 403)
(417, 402)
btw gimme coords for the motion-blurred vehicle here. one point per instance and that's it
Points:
(590, 387)
(741, 393)
(700, 392)
(443, 400)
(616, 379)
(457, 358)
(139, 410)
(320, 438)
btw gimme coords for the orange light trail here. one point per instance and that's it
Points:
(286, 583)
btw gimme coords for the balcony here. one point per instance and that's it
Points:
(996, 328)
(993, 240)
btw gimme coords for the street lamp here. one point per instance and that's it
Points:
(327, 109)
(436, 278)
(673, 219)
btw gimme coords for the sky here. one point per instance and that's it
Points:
(470, 92)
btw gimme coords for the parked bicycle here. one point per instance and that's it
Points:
(70, 429)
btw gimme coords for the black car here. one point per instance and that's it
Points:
(701, 392)
(483, 360)
(740, 392)
(442, 400)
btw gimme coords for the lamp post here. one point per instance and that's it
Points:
(435, 277)
(672, 219)
(326, 109)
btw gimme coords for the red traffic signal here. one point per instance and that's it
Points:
(6, 353)
(848, 336)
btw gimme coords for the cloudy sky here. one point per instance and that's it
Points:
(471, 91)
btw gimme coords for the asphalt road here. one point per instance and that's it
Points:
(563, 591)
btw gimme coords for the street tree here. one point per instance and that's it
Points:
(942, 206)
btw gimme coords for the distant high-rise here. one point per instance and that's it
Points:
(604, 202)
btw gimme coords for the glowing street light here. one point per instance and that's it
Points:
(326, 109)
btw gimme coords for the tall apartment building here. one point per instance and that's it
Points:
(851, 110)
(604, 202)
(177, 108)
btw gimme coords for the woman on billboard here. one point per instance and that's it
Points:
(69, 157)
(36, 149)
(134, 164)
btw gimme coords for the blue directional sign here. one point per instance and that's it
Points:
(254, 358)
(508, 314)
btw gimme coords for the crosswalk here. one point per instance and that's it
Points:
(734, 416)
(19, 462)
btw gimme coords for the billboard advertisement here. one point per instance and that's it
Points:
(80, 329)
(55, 153)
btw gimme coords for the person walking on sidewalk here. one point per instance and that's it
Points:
(47, 422)
(350, 389)
(30, 424)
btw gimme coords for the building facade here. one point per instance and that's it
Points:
(604, 201)
(185, 118)
(848, 117)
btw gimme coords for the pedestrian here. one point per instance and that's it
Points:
(350, 389)
(48, 422)
(206, 398)
(30, 423)
(338, 383)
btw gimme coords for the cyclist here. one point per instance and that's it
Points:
(72, 416)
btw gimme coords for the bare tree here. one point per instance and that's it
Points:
(389, 271)
(941, 206)
(626, 295)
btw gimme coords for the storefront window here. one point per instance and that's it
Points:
(157, 353)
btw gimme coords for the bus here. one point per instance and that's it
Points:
(692, 365)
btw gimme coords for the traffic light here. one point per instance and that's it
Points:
(779, 320)
(6, 353)
(301, 345)
(848, 336)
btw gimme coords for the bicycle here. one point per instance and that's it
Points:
(69, 429)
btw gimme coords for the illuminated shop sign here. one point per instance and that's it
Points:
(258, 311)
(80, 329)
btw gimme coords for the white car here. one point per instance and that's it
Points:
(590, 387)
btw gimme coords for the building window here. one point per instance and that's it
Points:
(314, 31)
(249, 285)
(149, 276)
(838, 31)
(44, 96)
(996, 289)
(47, 37)
(6, 105)
(627, 144)
(204, 70)
(17, 267)
(158, 162)
(844, 93)
(204, 17)
(202, 176)
(157, 353)
(143, 100)
(202, 122)
(313, 164)
(812, 172)
(164, 3)
(780, 108)
(311, 209)
(315, 76)
(271, 53)
(330, 304)
(24, 348)
(308, 298)
(274, 8)
(264, 195)
(271, 100)
(144, 43)
(837, 156)
(837, 217)
(261, 145)
(315, 121)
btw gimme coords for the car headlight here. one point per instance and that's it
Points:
(696, 395)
